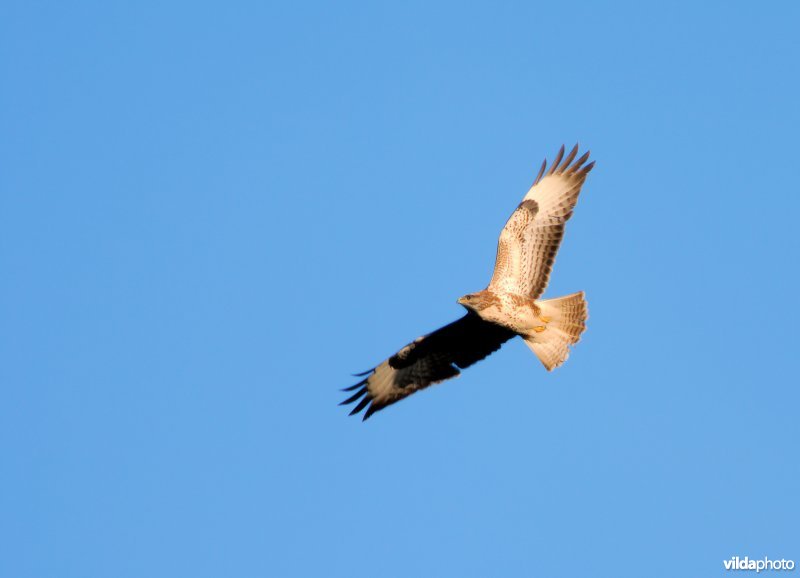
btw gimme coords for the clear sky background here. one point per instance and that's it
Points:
(213, 213)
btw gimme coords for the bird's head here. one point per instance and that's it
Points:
(477, 301)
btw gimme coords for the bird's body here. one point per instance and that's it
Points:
(518, 313)
(508, 307)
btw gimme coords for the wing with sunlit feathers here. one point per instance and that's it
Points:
(530, 239)
(425, 361)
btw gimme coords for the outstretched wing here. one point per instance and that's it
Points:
(427, 360)
(529, 242)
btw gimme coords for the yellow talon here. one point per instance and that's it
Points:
(545, 319)
(539, 328)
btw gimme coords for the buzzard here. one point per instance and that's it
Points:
(509, 306)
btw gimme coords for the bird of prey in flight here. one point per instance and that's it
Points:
(509, 306)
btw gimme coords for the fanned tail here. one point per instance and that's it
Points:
(564, 320)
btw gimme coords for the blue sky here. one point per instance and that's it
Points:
(211, 214)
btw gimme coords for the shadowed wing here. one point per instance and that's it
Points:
(427, 360)
(529, 242)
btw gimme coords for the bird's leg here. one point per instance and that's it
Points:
(537, 311)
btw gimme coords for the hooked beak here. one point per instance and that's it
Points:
(461, 301)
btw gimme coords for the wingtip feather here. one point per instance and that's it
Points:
(557, 160)
(361, 405)
(568, 158)
(352, 387)
(577, 164)
(541, 172)
(354, 397)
